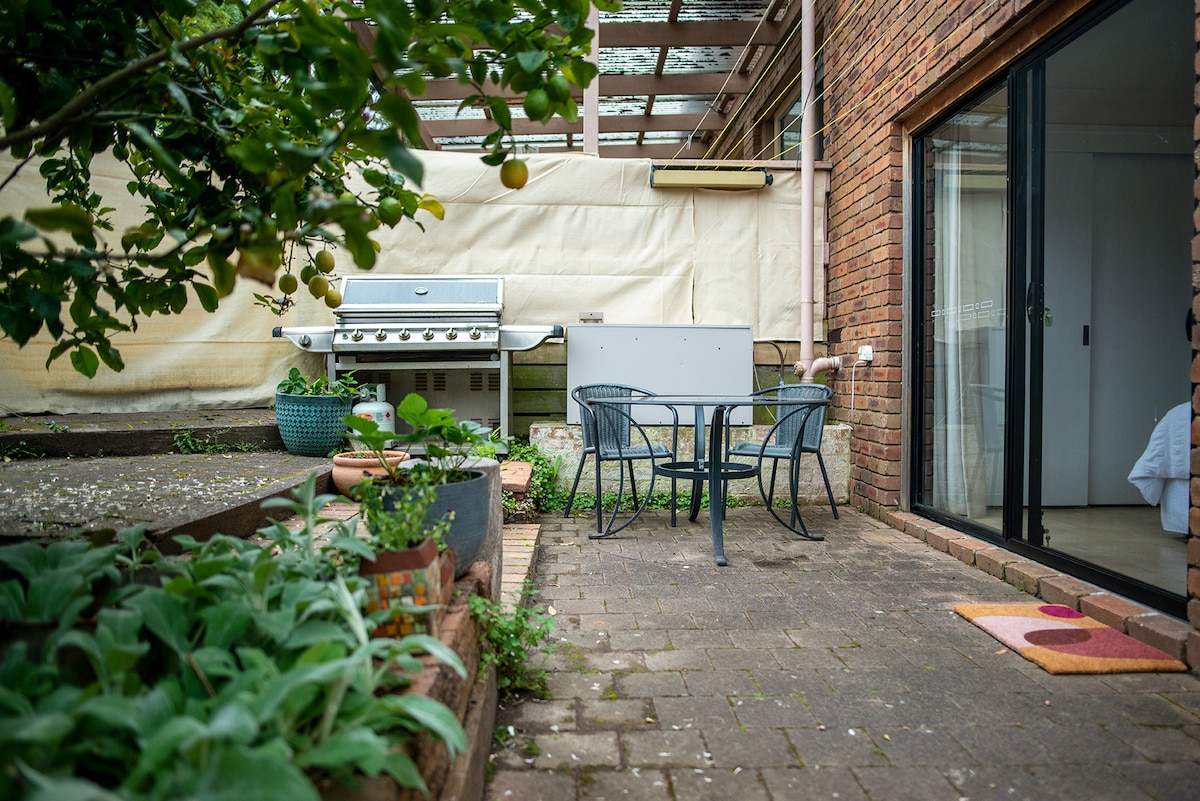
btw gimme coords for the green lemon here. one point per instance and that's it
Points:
(514, 173)
(559, 88)
(333, 298)
(391, 211)
(288, 283)
(307, 272)
(318, 287)
(537, 104)
(324, 261)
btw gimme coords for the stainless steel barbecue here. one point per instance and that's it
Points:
(440, 336)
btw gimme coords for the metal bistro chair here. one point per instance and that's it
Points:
(782, 442)
(607, 433)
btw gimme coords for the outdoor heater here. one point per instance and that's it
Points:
(437, 335)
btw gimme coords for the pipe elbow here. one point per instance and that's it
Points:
(829, 364)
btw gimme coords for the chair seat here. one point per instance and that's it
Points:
(756, 448)
(638, 452)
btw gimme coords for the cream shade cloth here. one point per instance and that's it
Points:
(584, 235)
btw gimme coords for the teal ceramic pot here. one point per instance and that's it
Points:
(311, 425)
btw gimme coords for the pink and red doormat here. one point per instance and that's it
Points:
(1062, 640)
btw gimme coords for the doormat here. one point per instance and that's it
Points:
(1061, 640)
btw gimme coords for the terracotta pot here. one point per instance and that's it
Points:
(410, 577)
(350, 467)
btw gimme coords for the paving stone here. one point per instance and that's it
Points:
(907, 784)
(1172, 781)
(530, 785)
(573, 749)
(666, 749)
(831, 746)
(696, 712)
(1095, 782)
(749, 749)
(617, 713)
(650, 684)
(1000, 782)
(720, 682)
(808, 783)
(538, 716)
(612, 785)
(772, 711)
(718, 785)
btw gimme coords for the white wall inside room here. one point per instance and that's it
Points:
(584, 235)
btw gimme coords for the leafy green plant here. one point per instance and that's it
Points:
(490, 447)
(445, 441)
(298, 384)
(395, 514)
(22, 450)
(239, 671)
(545, 493)
(509, 639)
(187, 442)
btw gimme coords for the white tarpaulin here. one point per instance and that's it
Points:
(584, 235)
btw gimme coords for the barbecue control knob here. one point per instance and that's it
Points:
(451, 333)
(356, 335)
(476, 333)
(404, 334)
(381, 335)
(427, 334)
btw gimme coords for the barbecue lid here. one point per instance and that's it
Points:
(421, 293)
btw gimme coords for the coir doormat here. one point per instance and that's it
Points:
(1062, 640)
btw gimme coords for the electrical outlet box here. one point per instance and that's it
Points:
(866, 353)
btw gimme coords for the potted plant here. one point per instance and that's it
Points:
(446, 444)
(351, 467)
(309, 412)
(412, 571)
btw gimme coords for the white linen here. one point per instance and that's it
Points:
(1162, 472)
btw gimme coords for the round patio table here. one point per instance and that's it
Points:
(716, 471)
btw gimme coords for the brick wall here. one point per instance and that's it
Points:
(888, 66)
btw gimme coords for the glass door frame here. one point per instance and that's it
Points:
(1022, 527)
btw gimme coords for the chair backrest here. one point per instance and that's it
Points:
(814, 424)
(608, 426)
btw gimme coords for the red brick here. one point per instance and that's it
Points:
(1027, 576)
(1111, 610)
(964, 549)
(1065, 590)
(1161, 632)
(941, 536)
(994, 560)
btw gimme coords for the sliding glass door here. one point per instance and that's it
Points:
(1062, 194)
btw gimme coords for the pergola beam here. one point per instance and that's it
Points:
(624, 123)
(692, 83)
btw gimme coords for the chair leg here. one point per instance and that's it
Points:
(771, 490)
(794, 489)
(632, 483)
(828, 489)
(599, 503)
(575, 485)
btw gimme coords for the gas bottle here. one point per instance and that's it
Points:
(375, 407)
